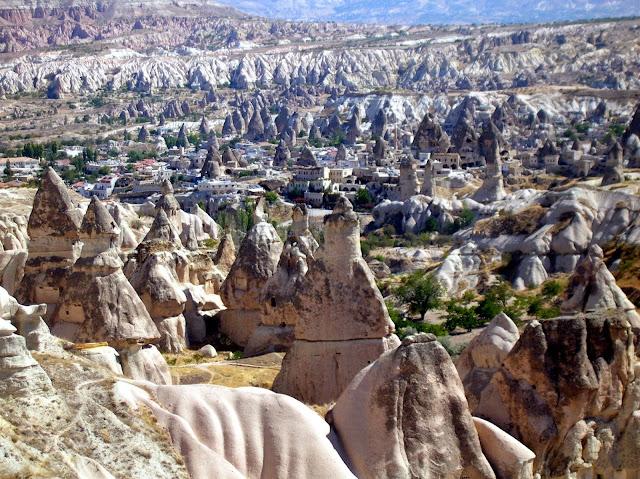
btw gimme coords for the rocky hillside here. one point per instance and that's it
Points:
(85, 48)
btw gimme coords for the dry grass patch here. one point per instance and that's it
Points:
(523, 222)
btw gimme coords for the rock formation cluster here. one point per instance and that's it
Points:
(256, 261)
(342, 323)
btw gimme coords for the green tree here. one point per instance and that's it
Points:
(134, 157)
(460, 315)
(8, 172)
(466, 217)
(421, 291)
(243, 221)
(363, 197)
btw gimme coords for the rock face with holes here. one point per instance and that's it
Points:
(28, 321)
(179, 288)
(408, 184)
(256, 262)
(492, 188)
(430, 137)
(54, 245)
(613, 168)
(278, 315)
(98, 303)
(569, 391)
(406, 416)
(342, 323)
(156, 282)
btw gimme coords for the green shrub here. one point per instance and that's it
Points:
(271, 197)
(365, 246)
(552, 288)
(453, 350)
(389, 230)
(198, 358)
(460, 315)
(210, 243)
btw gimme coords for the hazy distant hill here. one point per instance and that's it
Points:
(124, 7)
(437, 11)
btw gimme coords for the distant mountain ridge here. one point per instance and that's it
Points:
(124, 7)
(412, 12)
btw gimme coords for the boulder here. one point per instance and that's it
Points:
(509, 458)
(208, 351)
(20, 374)
(405, 416)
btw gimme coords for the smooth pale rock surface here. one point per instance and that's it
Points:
(509, 458)
(244, 433)
(104, 355)
(490, 347)
(12, 265)
(145, 363)
(406, 416)
(208, 351)
(531, 272)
